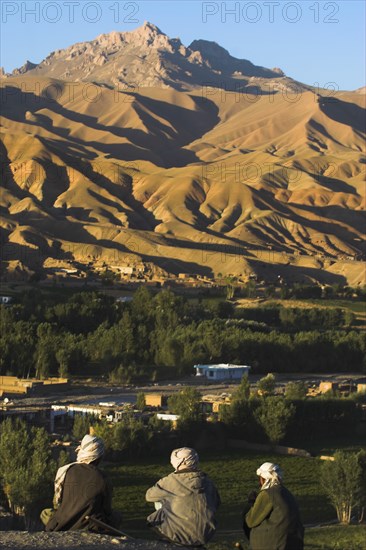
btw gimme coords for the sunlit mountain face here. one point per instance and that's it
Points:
(133, 147)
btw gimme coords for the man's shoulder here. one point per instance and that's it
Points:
(281, 493)
(80, 469)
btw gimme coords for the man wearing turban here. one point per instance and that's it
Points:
(81, 490)
(186, 502)
(271, 518)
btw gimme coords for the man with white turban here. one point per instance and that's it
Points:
(271, 518)
(186, 502)
(80, 490)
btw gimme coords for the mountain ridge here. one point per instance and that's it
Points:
(267, 178)
(143, 57)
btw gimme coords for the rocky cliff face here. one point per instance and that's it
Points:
(147, 57)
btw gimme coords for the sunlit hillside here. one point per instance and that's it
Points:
(268, 179)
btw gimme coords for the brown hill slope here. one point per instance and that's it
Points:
(206, 181)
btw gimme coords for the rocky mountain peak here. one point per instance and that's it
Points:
(219, 59)
(28, 66)
(150, 36)
(210, 50)
(147, 57)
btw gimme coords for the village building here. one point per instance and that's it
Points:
(168, 417)
(34, 415)
(212, 403)
(21, 387)
(124, 299)
(158, 400)
(6, 300)
(222, 371)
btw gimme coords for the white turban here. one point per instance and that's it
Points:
(271, 473)
(90, 449)
(184, 458)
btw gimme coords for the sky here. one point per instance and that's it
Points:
(316, 42)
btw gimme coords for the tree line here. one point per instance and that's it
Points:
(90, 333)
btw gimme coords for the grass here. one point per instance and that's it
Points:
(356, 306)
(335, 537)
(328, 444)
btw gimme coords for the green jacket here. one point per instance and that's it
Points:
(189, 502)
(274, 521)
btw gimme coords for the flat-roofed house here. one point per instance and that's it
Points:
(222, 371)
(158, 400)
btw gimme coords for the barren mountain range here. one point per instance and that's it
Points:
(133, 147)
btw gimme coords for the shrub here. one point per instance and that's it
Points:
(341, 482)
(274, 415)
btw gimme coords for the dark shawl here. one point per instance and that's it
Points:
(85, 493)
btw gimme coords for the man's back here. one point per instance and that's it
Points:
(190, 501)
(281, 529)
(85, 493)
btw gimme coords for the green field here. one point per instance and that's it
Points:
(234, 475)
(335, 537)
(356, 306)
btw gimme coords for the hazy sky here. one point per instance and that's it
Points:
(312, 41)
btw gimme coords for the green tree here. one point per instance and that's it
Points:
(274, 415)
(81, 426)
(142, 306)
(349, 318)
(296, 390)
(230, 290)
(170, 349)
(243, 392)
(249, 290)
(157, 425)
(341, 482)
(266, 385)
(270, 291)
(140, 401)
(186, 404)
(362, 504)
(26, 467)
(105, 430)
(130, 435)
(46, 350)
(63, 357)
(122, 375)
(63, 459)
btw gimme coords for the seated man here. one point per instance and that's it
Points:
(186, 502)
(271, 518)
(80, 490)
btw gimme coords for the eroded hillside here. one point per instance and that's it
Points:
(205, 180)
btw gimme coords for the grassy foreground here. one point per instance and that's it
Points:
(234, 475)
(335, 537)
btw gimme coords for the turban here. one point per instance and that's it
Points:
(271, 473)
(90, 449)
(184, 458)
